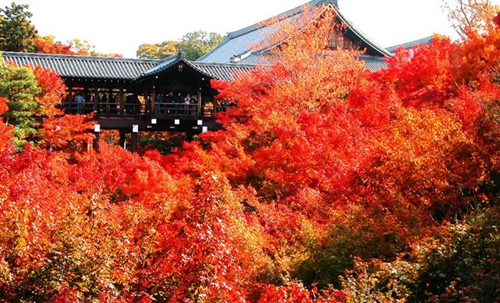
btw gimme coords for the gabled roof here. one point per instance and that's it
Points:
(241, 43)
(164, 64)
(69, 66)
(219, 71)
(425, 40)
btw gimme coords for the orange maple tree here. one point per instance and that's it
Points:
(320, 167)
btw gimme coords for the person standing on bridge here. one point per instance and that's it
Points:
(80, 102)
(187, 102)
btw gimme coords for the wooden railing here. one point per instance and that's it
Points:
(136, 109)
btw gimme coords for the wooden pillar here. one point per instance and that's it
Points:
(97, 132)
(198, 97)
(69, 99)
(96, 98)
(122, 138)
(86, 97)
(110, 100)
(133, 143)
(122, 100)
(153, 98)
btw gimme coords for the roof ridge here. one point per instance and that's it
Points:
(220, 64)
(282, 16)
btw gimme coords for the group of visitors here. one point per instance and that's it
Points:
(178, 98)
(80, 103)
(169, 103)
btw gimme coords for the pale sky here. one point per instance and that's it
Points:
(121, 26)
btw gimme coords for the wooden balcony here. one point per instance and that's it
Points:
(135, 117)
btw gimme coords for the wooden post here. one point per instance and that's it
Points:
(70, 100)
(198, 97)
(133, 143)
(97, 131)
(153, 103)
(153, 99)
(122, 138)
(122, 100)
(96, 98)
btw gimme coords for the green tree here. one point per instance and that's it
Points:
(158, 50)
(19, 86)
(16, 31)
(196, 44)
(82, 47)
(193, 44)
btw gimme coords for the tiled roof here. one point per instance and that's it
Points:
(239, 43)
(373, 63)
(69, 66)
(163, 65)
(84, 66)
(411, 44)
(221, 71)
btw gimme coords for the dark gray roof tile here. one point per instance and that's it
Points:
(227, 71)
(421, 41)
(84, 66)
(373, 63)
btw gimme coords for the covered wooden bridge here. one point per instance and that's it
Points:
(135, 95)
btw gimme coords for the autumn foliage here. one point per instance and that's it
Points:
(328, 183)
